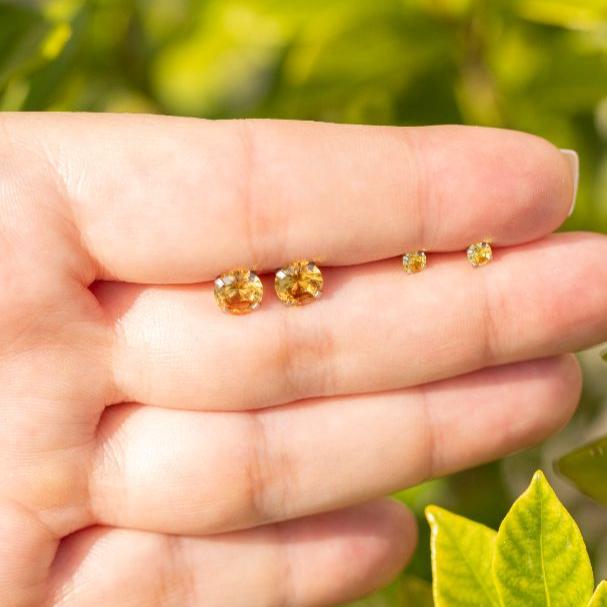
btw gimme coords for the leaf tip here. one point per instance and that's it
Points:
(437, 517)
(539, 481)
(430, 513)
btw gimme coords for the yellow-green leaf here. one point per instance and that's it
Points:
(587, 468)
(540, 557)
(462, 553)
(600, 596)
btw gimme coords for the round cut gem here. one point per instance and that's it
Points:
(480, 254)
(298, 283)
(238, 292)
(414, 261)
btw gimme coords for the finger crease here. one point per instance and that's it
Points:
(255, 221)
(492, 304)
(419, 188)
(177, 584)
(257, 469)
(306, 358)
(288, 594)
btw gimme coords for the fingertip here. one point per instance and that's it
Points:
(369, 545)
(397, 537)
(565, 391)
(546, 188)
(554, 387)
(579, 259)
(501, 185)
(386, 549)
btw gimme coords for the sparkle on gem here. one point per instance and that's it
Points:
(298, 283)
(480, 254)
(238, 291)
(414, 261)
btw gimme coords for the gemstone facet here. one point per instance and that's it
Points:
(414, 261)
(480, 254)
(238, 291)
(298, 283)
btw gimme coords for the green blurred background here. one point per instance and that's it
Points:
(534, 65)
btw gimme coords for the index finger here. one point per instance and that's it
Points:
(178, 200)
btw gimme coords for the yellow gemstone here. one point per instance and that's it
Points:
(299, 283)
(238, 292)
(480, 254)
(414, 261)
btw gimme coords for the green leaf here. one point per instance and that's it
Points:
(462, 552)
(540, 556)
(27, 41)
(586, 467)
(565, 13)
(600, 596)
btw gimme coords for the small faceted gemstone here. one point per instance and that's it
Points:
(238, 292)
(414, 261)
(299, 283)
(480, 254)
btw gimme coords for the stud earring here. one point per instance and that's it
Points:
(479, 254)
(238, 291)
(299, 283)
(414, 261)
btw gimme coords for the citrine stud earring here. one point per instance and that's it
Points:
(238, 291)
(479, 254)
(299, 283)
(414, 261)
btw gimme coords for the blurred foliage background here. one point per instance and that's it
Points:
(534, 65)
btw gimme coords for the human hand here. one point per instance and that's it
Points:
(156, 452)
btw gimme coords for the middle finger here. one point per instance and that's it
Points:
(374, 329)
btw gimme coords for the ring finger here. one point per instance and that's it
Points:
(218, 471)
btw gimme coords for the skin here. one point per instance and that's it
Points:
(155, 452)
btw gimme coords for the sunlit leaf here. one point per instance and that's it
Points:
(462, 552)
(566, 13)
(600, 596)
(586, 467)
(55, 41)
(27, 40)
(540, 555)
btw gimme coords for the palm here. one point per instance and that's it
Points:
(156, 452)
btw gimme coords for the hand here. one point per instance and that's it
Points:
(156, 452)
